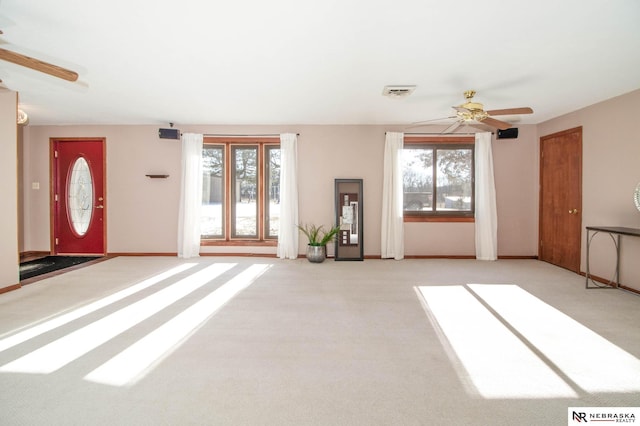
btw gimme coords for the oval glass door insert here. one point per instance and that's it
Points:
(80, 196)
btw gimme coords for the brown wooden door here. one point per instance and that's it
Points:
(78, 191)
(561, 198)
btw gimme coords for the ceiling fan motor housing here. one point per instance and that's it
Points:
(472, 111)
(473, 106)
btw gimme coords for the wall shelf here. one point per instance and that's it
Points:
(157, 176)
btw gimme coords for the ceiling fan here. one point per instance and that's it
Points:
(474, 111)
(38, 65)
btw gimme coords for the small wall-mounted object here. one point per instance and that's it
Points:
(510, 133)
(157, 176)
(23, 118)
(169, 133)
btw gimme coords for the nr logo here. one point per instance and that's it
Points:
(579, 417)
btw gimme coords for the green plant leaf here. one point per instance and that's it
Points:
(317, 236)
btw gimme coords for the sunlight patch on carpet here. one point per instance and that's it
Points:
(61, 352)
(36, 330)
(495, 362)
(130, 365)
(586, 358)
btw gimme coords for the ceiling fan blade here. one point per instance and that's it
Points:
(461, 109)
(453, 127)
(511, 111)
(38, 65)
(480, 126)
(502, 125)
(420, 123)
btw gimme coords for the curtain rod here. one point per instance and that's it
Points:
(239, 135)
(442, 134)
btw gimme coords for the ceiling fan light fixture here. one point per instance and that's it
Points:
(23, 118)
(474, 111)
(472, 114)
(480, 115)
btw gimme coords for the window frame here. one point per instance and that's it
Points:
(229, 144)
(267, 188)
(435, 143)
(224, 201)
(233, 192)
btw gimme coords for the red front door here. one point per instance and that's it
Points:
(78, 196)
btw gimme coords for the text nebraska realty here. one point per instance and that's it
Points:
(603, 417)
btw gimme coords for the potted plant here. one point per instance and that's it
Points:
(318, 239)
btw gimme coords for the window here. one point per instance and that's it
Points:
(241, 190)
(438, 178)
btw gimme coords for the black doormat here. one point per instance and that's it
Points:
(48, 264)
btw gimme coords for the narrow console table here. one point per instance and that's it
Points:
(615, 233)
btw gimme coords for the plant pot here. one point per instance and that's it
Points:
(316, 254)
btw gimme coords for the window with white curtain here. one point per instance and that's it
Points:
(241, 190)
(438, 178)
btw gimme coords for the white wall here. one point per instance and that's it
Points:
(610, 172)
(142, 213)
(9, 258)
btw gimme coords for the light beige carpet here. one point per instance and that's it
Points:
(260, 341)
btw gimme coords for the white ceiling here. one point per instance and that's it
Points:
(316, 62)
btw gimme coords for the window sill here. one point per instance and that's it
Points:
(438, 219)
(239, 243)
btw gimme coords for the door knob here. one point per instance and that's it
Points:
(100, 207)
(574, 211)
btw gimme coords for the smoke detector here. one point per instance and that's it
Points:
(398, 91)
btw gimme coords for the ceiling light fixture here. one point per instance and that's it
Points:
(23, 118)
(471, 110)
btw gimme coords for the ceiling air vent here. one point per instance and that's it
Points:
(398, 91)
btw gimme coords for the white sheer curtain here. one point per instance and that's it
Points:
(392, 232)
(190, 196)
(486, 211)
(288, 232)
